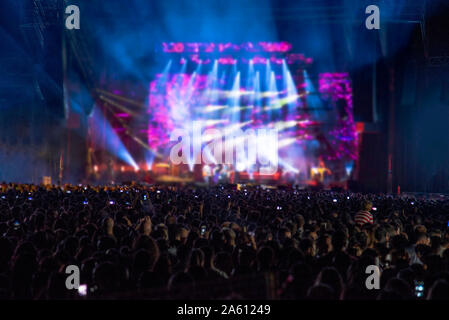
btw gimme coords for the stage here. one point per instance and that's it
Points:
(233, 112)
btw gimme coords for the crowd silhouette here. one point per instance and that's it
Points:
(178, 241)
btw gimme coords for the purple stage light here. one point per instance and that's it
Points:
(122, 115)
(337, 87)
(198, 47)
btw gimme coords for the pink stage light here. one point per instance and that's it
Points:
(195, 58)
(276, 52)
(198, 47)
(222, 47)
(209, 47)
(259, 60)
(173, 47)
(227, 60)
(275, 46)
(333, 87)
(276, 60)
(122, 115)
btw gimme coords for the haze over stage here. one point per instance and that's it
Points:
(234, 87)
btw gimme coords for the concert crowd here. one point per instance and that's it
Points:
(221, 242)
